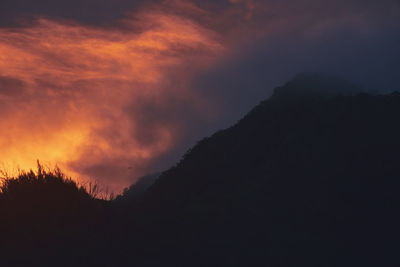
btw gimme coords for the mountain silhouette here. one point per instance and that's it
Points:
(309, 177)
(316, 84)
(137, 190)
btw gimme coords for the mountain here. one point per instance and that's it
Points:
(316, 84)
(310, 177)
(139, 188)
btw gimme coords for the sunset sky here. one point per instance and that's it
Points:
(113, 90)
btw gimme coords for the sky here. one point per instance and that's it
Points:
(114, 90)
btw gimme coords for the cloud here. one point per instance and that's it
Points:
(11, 87)
(94, 12)
(116, 91)
(349, 39)
(96, 99)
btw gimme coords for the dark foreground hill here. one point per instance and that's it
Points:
(310, 177)
(43, 211)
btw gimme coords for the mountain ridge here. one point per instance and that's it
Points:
(306, 177)
(303, 179)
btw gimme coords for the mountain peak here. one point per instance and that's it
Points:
(316, 84)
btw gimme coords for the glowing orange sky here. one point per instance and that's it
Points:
(74, 82)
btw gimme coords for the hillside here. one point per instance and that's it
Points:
(308, 177)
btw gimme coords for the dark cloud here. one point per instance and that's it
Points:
(98, 12)
(104, 12)
(354, 40)
(11, 87)
(101, 12)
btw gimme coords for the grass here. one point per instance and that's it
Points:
(44, 202)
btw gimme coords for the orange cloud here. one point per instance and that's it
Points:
(71, 86)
